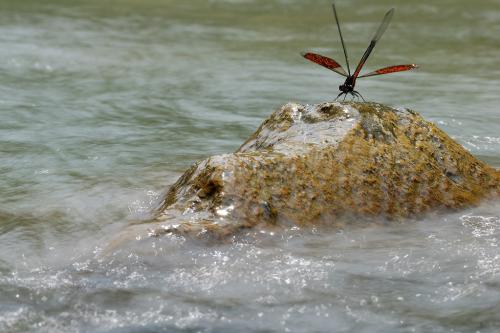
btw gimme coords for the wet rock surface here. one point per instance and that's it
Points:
(332, 163)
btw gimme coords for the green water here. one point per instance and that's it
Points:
(105, 103)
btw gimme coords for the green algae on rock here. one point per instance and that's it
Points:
(316, 164)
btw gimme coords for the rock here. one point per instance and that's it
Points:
(325, 164)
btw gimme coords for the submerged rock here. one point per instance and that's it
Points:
(323, 163)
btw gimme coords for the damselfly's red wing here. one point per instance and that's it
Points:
(350, 82)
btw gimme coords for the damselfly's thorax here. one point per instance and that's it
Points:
(348, 85)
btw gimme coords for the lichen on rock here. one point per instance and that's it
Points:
(316, 164)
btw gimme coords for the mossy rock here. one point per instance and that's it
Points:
(317, 164)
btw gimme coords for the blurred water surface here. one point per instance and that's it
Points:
(103, 104)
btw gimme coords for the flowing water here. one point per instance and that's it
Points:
(105, 103)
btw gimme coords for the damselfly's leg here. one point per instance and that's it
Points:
(360, 95)
(336, 98)
(355, 93)
(343, 100)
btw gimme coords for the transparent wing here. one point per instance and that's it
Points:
(383, 26)
(325, 62)
(391, 69)
(380, 31)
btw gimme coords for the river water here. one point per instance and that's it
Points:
(105, 103)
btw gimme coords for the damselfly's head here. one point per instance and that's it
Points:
(345, 88)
